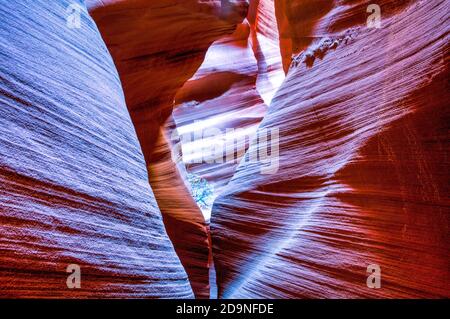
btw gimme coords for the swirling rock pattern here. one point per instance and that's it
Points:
(90, 175)
(74, 187)
(157, 46)
(227, 97)
(363, 176)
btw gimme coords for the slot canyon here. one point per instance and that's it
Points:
(224, 148)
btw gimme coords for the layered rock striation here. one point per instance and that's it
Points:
(98, 164)
(74, 187)
(157, 46)
(363, 149)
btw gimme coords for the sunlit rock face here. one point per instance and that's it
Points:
(219, 109)
(100, 168)
(74, 187)
(363, 161)
(157, 46)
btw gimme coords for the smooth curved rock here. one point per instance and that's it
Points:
(363, 177)
(362, 157)
(74, 187)
(221, 106)
(157, 46)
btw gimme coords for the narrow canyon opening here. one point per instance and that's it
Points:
(135, 138)
(196, 92)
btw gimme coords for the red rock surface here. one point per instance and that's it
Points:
(363, 176)
(157, 46)
(73, 181)
(362, 170)
(230, 91)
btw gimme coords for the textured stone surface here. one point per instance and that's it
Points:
(74, 187)
(230, 91)
(157, 46)
(363, 165)
(363, 175)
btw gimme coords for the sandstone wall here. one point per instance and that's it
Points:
(363, 177)
(74, 186)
